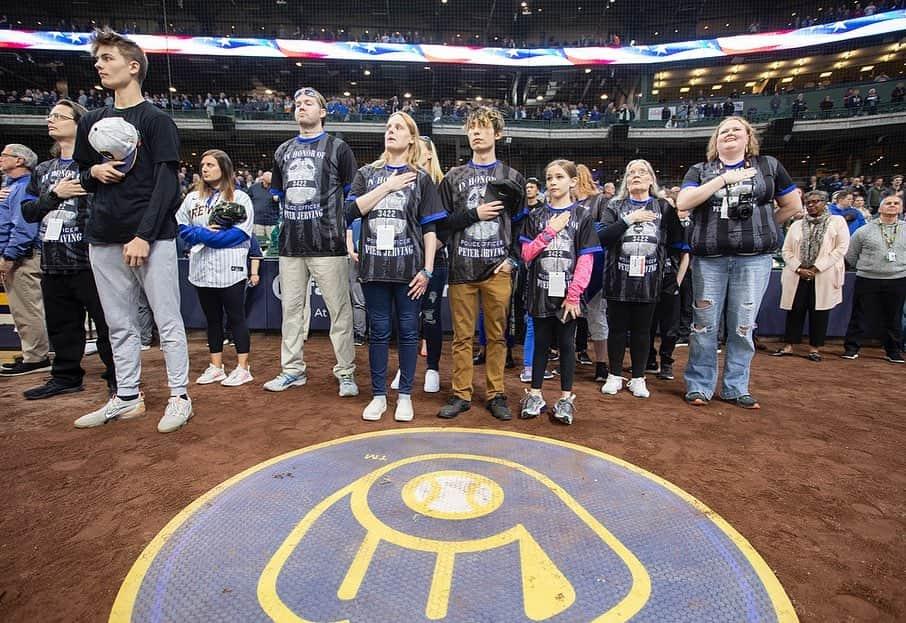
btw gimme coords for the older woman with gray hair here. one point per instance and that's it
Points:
(812, 280)
(637, 228)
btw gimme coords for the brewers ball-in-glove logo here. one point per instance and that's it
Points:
(301, 186)
(452, 525)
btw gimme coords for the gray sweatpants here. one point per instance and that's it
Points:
(120, 288)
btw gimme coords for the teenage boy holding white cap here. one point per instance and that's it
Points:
(128, 157)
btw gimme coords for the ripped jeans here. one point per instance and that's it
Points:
(739, 281)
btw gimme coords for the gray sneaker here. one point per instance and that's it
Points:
(348, 386)
(284, 381)
(564, 410)
(178, 412)
(532, 406)
(115, 409)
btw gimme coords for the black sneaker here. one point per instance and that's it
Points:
(555, 371)
(21, 368)
(553, 355)
(499, 409)
(666, 372)
(745, 401)
(582, 358)
(7, 366)
(358, 340)
(895, 358)
(601, 372)
(682, 342)
(850, 354)
(50, 389)
(454, 407)
(652, 366)
(510, 364)
(478, 358)
(696, 399)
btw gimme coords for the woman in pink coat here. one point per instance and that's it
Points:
(813, 278)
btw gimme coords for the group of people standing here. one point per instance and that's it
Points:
(408, 230)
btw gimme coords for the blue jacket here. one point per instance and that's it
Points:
(853, 217)
(17, 237)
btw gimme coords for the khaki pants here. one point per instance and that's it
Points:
(332, 276)
(263, 233)
(27, 308)
(495, 301)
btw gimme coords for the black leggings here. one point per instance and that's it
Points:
(213, 302)
(550, 331)
(634, 318)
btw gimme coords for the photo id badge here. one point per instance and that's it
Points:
(385, 238)
(636, 265)
(54, 229)
(891, 256)
(556, 284)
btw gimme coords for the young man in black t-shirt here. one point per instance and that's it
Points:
(483, 255)
(128, 157)
(312, 174)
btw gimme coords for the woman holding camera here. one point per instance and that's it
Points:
(734, 231)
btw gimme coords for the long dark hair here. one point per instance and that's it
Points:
(77, 111)
(226, 176)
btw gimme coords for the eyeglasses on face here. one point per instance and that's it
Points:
(55, 116)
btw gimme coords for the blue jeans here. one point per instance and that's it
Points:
(528, 349)
(381, 298)
(739, 282)
(432, 325)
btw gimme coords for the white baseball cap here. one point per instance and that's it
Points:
(115, 139)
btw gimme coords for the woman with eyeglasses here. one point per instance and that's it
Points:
(399, 206)
(734, 231)
(67, 283)
(812, 280)
(638, 227)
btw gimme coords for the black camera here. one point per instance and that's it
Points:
(742, 209)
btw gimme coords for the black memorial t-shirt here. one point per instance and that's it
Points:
(478, 249)
(64, 248)
(716, 227)
(120, 212)
(635, 263)
(560, 255)
(405, 212)
(312, 176)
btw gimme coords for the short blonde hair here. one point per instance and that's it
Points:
(751, 145)
(486, 117)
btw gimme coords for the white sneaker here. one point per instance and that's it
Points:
(284, 381)
(348, 386)
(404, 412)
(432, 381)
(212, 374)
(146, 347)
(91, 348)
(395, 383)
(177, 413)
(239, 376)
(115, 409)
(638, 387)
(375, 409)
(613, 384)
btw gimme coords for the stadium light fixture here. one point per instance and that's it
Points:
(717, 87)
(787, 80)
(655, 91)
(346, 93)
(298, 63)
(750, 84)
(825, 74)
(867, 68)
(407, 95)
(603, 96)
(266, 92)
(478, 98)
(587, 70)
(172, 89)
(367, 72)
(98, 87)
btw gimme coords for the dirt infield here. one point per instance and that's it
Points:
(816, 480)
